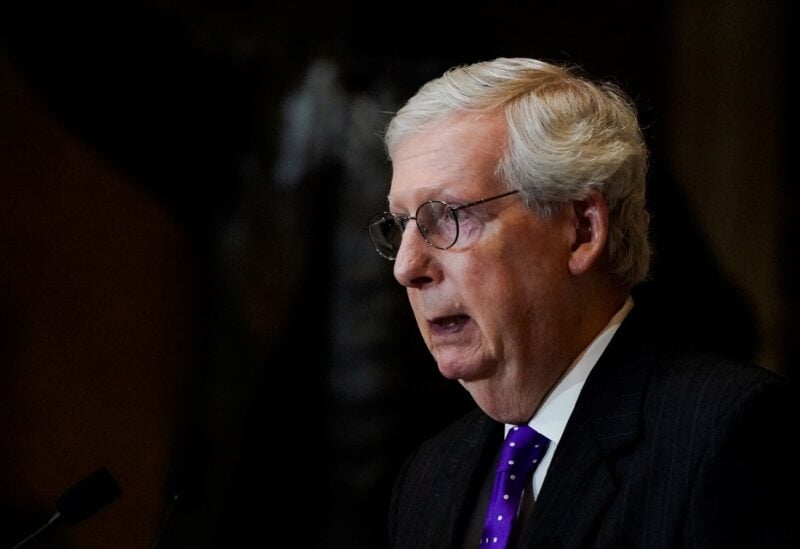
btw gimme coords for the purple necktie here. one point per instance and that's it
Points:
(522, 451)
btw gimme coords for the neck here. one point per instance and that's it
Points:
(593, 309)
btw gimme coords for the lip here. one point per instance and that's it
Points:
(448, 325)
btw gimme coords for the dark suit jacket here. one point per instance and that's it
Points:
(666, 447)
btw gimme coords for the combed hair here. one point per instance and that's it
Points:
(566, 137)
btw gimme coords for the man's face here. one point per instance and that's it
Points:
(495, 309)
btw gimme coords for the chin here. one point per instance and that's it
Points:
(463, 372)
(483, 395)
(451, 371)
(495, 402)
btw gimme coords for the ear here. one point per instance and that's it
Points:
(590, 217)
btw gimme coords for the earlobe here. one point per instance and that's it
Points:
(590, 232)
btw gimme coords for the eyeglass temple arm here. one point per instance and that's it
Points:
(482, 200)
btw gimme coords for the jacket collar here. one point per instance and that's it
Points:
(606, 419)
(466, 465)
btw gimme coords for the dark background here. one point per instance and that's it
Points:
(187, 293)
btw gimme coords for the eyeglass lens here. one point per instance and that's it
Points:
(435, 221)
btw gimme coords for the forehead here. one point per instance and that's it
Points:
(455, 159)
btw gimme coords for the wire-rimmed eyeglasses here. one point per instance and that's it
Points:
(437, 222)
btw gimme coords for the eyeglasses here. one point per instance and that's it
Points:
(437, 222)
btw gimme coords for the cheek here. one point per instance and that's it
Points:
(415, 301)
(469, 232)
(511, 280)
(494, 287)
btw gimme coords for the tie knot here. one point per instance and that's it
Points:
(522, 449)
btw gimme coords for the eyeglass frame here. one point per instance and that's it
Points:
(402, 220)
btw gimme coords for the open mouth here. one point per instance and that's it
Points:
(449, 324)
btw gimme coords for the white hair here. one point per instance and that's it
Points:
(566, 137)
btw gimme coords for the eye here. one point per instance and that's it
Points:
(469, 225)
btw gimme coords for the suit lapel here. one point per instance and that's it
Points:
(462, 474)
(606, 419)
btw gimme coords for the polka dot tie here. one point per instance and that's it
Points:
(522, 451)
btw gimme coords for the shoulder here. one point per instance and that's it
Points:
(712, 385)
(679, 386)
(729, 417)
(675, 369)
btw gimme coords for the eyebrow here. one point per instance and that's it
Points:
(444, 196)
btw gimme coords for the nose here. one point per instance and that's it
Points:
(414, 266)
